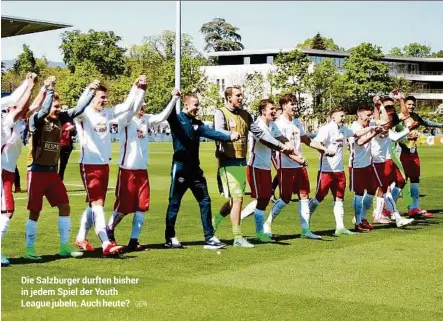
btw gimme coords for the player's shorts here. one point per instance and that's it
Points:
(95, 180)
(7, 196)
(233, 180)
(293, 181)
(411, 165)
(362, 179)
(399, 178)
(47, 184)
(334, 181)
(260, 181)
(132, 192)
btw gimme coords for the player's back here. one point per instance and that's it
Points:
(259, 154)
(134, 144)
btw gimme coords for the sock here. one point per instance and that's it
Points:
(358, 203)
(31, 232)
(339, 213)
(275, 210)
(137, 224)
(379, 208)
(86, 223)
(4, 224)
(218, 219)
(259, 217)
(313, 204)
(303, 211)
(395, 191)
(415, 195)
(366, 205)
(390, 205)
(236, 230)
(249, 209)
(100, 224)
(64, 228)
(115, 219)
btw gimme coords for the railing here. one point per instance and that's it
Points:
(426, 73)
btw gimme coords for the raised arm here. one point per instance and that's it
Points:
(13, 98)
(44, 111)
(404, 112)
(128, 106)
(396, 136)
(430, 123)
(158, 118)
(83, 102)
(23, 103)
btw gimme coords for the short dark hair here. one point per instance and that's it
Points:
(188, 95)
(102, 88)
(286, 99)
(263, 103)
(390, 110)
(364, 108)
(228, 91)
(411, 98)
(335, 110)
(385, 99)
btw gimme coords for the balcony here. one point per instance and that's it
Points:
(418, 75)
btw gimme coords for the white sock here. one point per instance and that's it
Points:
(304, 213)
(379, 208)
(115, 219)
(415, 195)
(31, 232)
(100, 224)
(86, 223)
(390, 203)
(313, 204)
(137, 224)
(249, 209)
(259, 217)
(4, 224)
(339, 213)
(366, 205)
(395, 191)
(64, 228)
(358, 203)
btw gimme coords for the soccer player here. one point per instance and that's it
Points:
(293, 177)
(132, 191)
(95, 144)
(409, 155)
(43, 179)
(186, 173)
(67, 144)
(10, 152)
(331, 174)
(232, 158)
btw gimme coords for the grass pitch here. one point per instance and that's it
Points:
(387, 274)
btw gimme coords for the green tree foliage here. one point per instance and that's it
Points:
(253, 90)
(438, 54)
(210, 99)
(98, 47)
(414, 49)
(320, 42)
(25, 62)
(220, 35)
(365, 75)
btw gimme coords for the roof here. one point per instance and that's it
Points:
(313, 52)
(14, 26)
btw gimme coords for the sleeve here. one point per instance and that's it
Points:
(260, 134)
(322, 135)
(121, 110)
(220, 122)
(125, 118)
(300, 127)
(8, 121)
(83, 102)
(13, 98)
(43, 112)
(206, 131)
(349, 132)
(396, 136)
(275, 131)
(430, 123)
(158, 118)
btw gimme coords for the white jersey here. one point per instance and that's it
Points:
(334, 139)
(381, 145)
(134, 147)
(259, 154)
(12, 145)
(292, 130)
(360, 156)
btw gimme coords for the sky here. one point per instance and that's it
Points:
(262, 24)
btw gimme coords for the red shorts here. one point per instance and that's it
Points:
(260, 182)
(411, 165)
(132, 191)
(399, 179)
(293, 181)
(95, 180)
(362, 179)
(47, 184)
(8, 179)
(335, 181)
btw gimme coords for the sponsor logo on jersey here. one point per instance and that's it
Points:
(101, 127)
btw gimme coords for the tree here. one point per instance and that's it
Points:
(319, 42)
(210, 99)
(396, 51)
(438, 54)
(414, 49)
(221, 36)
(253, 90)
(164, 44)
(98, 47)
(365, 75)
(25, 62)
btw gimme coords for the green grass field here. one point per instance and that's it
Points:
(388, 274)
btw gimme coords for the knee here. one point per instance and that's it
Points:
(205, 202)
(237, 201)
(64, 209)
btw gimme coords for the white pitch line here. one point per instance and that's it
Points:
(69, 194)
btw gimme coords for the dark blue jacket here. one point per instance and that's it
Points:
(186, 132)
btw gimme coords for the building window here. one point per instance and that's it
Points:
(269, 59)
(246, 60)
(223, 84)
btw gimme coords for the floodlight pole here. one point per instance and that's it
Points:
(178, 36)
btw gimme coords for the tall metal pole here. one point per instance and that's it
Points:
(178, 38)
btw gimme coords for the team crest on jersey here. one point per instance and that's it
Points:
(181, 179)
(49, 126)
(141, 134)
(101, 127)
(232, 123)
(195, 127)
